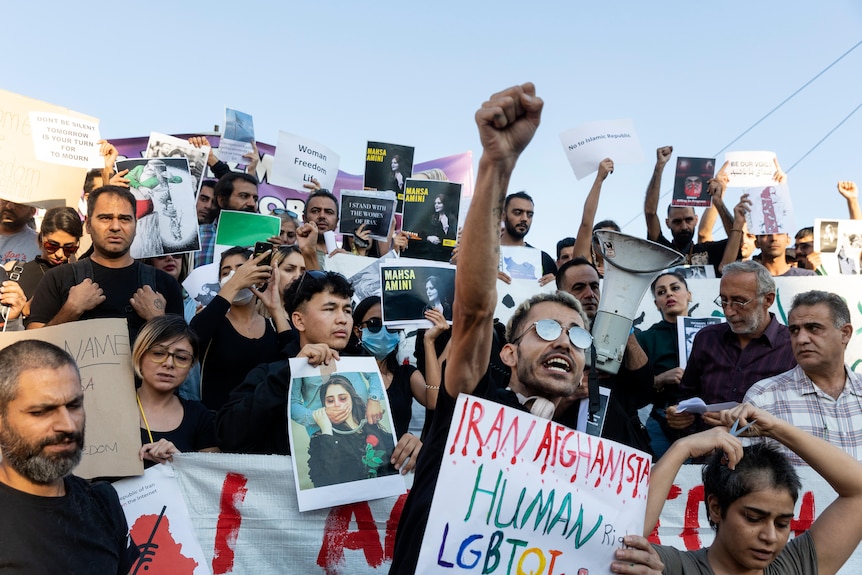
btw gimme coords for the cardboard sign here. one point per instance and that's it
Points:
(101, 349)
(24, 178)
(518, 490)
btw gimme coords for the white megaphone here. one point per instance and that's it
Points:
(631, 265)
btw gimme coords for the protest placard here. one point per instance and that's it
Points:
(167, 222)
(771, 210)
(339, 455)
(387, 167)
(687, 327)
(840, 245)
(518, 493)
(164, 146)
(24, 178)
(750, 169)
(243, 229)
(101, 350)
(248, 522)
(66, 140)
(691, 182)
(237, 137)
(411, 287)
(160, 524)
(431, 218)
(590, 143)
(373, 209)
(521, 263)
(299, 160)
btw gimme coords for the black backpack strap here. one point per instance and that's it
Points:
(147, 276)
(81, 270)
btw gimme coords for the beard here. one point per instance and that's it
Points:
(683, 238)
(29, 460)
(514, 232)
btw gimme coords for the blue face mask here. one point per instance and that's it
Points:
(380, 344)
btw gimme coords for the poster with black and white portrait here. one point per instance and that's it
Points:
(167, 221)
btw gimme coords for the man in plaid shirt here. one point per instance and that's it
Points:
(821, 395)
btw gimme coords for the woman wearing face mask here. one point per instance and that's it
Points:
(234, 337)
(403, 383)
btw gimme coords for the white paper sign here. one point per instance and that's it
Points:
(521, 262)
(749, 169)
(66, 140)
(238, 135)
(298, 160)
(590, 143)
(159, 523)
(524, 491)
(771, 210)
(840, 245)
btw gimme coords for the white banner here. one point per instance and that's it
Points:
(245, 515)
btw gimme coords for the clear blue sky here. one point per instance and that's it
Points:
(691, 74)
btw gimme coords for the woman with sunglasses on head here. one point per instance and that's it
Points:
(403, 382)
(59, 239)
(164, 352)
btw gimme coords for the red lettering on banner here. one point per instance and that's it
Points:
(806, 515)
(674, 492)
(336, 537)
(229, 519)
(691, 524)
(392, 527)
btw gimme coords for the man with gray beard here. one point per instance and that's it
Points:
(52, 521)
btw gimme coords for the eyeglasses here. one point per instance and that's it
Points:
(550, 330)
(181, 358)
(374, 325)
(50, 247)
(736, 304)
(282, 211)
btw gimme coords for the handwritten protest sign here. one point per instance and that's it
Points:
(24, 178)
(519, 494)
(160, 525)
(66, 140)
(590, 143)
(749, 169)
(101, 349)
(299, 160)
(374, 209)
(237, 137)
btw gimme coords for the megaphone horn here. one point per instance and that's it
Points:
(631, 265)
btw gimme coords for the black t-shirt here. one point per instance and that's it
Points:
(84, 532)
(704, 253)
(549, 266)
(118, 286)
(195, 432)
